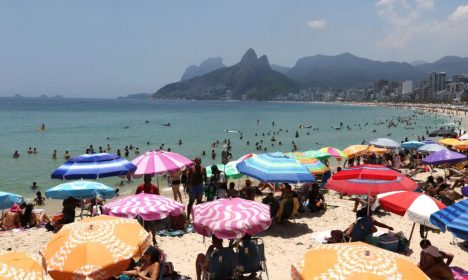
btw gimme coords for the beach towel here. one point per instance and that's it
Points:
(459, 273)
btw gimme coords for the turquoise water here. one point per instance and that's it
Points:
(74, 124)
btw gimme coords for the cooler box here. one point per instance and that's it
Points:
(388, 242)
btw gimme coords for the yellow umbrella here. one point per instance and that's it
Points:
(15, 265)
(462, 145)
(355, 150)
(374, 150)
(95, 248)
(449, 141)
(354, 260)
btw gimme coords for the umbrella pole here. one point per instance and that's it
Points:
(411, 234)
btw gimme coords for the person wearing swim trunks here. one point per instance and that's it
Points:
(195, 180)
(175, 183)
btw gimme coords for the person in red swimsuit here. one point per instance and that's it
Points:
(147, 187)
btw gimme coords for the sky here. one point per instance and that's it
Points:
(111, 48)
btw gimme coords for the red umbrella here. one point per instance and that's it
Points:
(367, 171)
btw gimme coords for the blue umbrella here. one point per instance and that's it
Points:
(412, 145)
(8, 199)
(454, 218)
(93, 166)
(80, 190)
(275, 167)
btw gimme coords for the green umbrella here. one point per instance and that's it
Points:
(317, 154)
(229, 170)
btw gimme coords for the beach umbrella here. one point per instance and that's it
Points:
(80, 190)
(93, 166)
(275, 167)
(95, 248)
(8, 199)
(412, 145)
(229, 170)
(443, 133)
(231, 218)
(449, 141)
(355, 150)
(317, 154)
(159, 162)
(462, 145)
(431, 148)
(463, 137)
(354, 260)
(314, 165)
(454, 218)
(244, 157)
(428, 141)
(149, 207)
(443, 157)
(385, 143)
(334, 152)
(375, 150)
(367, 171)
(16, 266)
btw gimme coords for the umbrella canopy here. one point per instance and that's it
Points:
(428, 141)
(355, 260)
(16, 265)
(412, 145)
(8, 199)
(275, 167)
(317, 154)
(149, 207)
(229, 170)
(333, 152)
(95, 248)
(462, 145)
(463, 137)
(443, 133)
(159, 162)
(355, 150)
(80, 190)
(385, 143)
(375, 150)
(93, 166)
(443, 157)
(431, 148)
(454, 218)
(417, 206)
(314, 165)
(367, 171)
(449, 141)
(231, 218)
(244, 157)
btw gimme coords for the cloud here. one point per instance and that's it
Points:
(317, 24)
(460, 13)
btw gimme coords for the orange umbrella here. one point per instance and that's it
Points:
(462, 145)
(95, 248)
(354, 150)
(374, 150)
(15, 265)
(354, 260)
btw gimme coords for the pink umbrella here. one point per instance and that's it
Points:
(149, 207)
(159, 162)
(231, 218)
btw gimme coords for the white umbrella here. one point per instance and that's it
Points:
(431, 148)
(385, 143)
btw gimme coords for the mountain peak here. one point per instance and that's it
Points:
(249, 57)
(208, 65)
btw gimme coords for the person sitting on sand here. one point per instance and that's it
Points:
(316, 199)
(11, 219)
(203, 260)
(432, 261)
(248, 191)
(33, 217)
(232, 192)
(39, 200)
(148, 268)
(147, 186)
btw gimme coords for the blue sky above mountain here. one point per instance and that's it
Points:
(110, 48)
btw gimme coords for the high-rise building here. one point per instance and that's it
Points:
(436, 83)
(406, 87)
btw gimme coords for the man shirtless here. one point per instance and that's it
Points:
(432, 262)
(196, 179)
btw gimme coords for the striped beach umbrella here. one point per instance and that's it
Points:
(231, 218)
(334, 152)
(314, 165)
(80, 190)
(275, 167)
(16, 266)
(150, 207)
(8, 199)
(93, 166)
(159, 162)
(454, 218)
(229, 170)
(355, 150)
(317, 154)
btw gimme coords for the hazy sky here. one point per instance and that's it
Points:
(108, 48)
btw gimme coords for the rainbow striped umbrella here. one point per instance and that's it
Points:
(275, 167)
(316, 154)
(159, 162)
(314, 165)
(334, 152)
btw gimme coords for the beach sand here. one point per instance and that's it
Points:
(285, 243)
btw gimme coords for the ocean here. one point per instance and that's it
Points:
(74, 124)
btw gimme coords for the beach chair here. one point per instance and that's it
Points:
(252, 257)
(223, 263)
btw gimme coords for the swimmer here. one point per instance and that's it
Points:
(54, 154)
(16, 154)
(66, 156)
(30, 150)
(180, 141)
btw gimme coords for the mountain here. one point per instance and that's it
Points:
(451, 65)
(347, 71)
(251, 78)
(206, 66)
(417, 62)
(136, 96)
(279, 68)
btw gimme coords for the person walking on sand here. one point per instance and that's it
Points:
(196, 179)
